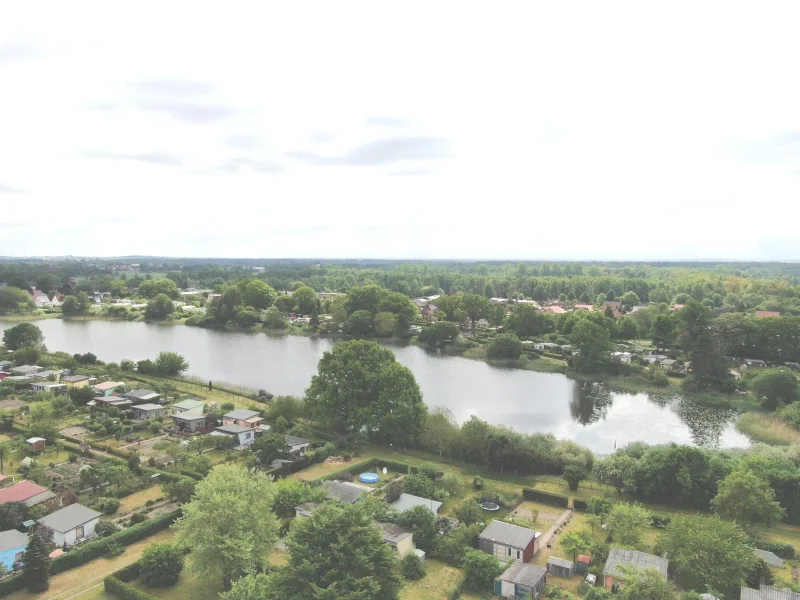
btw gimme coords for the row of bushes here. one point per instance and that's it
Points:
(545, 497)
(91, 550)
(103, 447)
(784, 550)
(165, 477)
(580, 505)
(122, 590)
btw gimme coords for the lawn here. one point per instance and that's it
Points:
(439, 579)
(139, 499)
(74, 581)
(189, 587)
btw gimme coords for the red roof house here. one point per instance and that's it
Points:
(26, 491)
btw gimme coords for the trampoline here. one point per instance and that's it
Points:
(490, 502)
(369, 478)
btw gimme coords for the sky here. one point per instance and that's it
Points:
(512, 130)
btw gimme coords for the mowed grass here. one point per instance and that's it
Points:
(73, 582)
(139, 499)
(439, 579)
(767, 429)
(189, 587)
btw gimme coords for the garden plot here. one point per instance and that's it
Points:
(75, 431)
(67, 475)
(12, 404)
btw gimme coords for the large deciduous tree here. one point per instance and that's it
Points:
(505, 346)
(336, 553)
(359, 385)
(702, 339)
(593, 344)
(229, 524)
(269, 447)
(628, 521)
(14, 300)
(23, 335)
(618, 470)
(745, 498)
(438, 334)
(170, 364)
(476, 308)
(154, 287)
(305, 300)
(159, 307)
(575, 542)
(161, 564)
(258, 294)
(775, 387)
(707, 552)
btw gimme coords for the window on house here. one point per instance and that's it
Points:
(18, 556)
(508, 550)
(79, 532)
(519, 554)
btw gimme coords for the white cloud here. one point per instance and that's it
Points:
(622, 131)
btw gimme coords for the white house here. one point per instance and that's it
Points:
(71, 524)
(298, 445)
(244, 436)
(41, 300)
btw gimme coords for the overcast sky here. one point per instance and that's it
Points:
(431, 130)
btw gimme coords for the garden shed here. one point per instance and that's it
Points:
(509, 542)
(36, 444)
(560, 567)
(521, 582)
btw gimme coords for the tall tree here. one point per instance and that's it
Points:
(705, 345)
(159, 307)
(37, 561)
(628, 521)
(269, 447)
(575, 542)
(775, 387)
(476, 308)
(258, 294)
(593, 344)
(662, 331)
(219, 524)
(23, 335)
(170, 364)
(648, 584)
(707, 552)
(305, 299)
(745, 498)
(618, 470)
(359, 385)
(336, 553)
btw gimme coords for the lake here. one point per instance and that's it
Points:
(590, 414)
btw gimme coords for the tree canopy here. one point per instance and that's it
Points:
(23, 335)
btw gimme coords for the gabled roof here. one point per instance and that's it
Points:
(560, 562)
(392, 532)
(342, 491)
(69, 518)
(523, 573)
(768, 593)
(188, 404)
(19, 492)
(240, 414)
(640, 560)
(141, 394)
(12, 539)
(770, 558)
(107, 385)
(406, 501)
(233, 429)
(508, 534)
(75, 378)
(188, 417)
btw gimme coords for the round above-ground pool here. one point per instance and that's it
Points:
(369, 478)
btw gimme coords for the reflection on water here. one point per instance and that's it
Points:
(593, 415)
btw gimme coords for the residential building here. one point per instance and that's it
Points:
(41, 300)
(399, 538)
(554, 310)
(344, 491)
(668, 364)
(145, 412)
(521, 582)
(654, 358)
(188, 407)
(768, 593)
(54, 388)
(618, 557)
(12, 548)
(72, 524)
(244, 418)
(5, 365)
(622, 357)
(78, 381)
(298, 446)
(189, 423)
(108, 401)
(509, 542)
(29, 493)
(243, 436)
(49, 375)
(3, 375)
(107, 387)
(406, 501)
(142, 396)
(543, 346)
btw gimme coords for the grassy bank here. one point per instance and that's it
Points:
(768, 429)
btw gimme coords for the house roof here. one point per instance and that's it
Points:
(523, 573)
(26, 369)
(186, 417)
(293, 440)
(107, 385)
(309, 508)
(75, 378)
(240, 414)
(770, 558)
(233, 429)
(406, 501)
(640, 560)
(508, 534)
(69, 517)
(342, 491)
(44, 374)
(141, 394)
(561, 562)
(19, 492)
(392, 532)
(33, 440)
(148, 407)
(768, 593)
(767, 313)
(188, 404)
(12, 539)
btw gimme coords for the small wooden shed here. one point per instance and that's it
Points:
(560, 567)
(36, 444)
(583, 563)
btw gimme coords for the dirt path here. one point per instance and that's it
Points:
(80, 579)
(547, 537)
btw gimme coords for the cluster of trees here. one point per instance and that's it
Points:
(166, 364)
(370, 310)
(760, 485)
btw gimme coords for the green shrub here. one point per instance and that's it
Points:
(580, 505)
(138, 517)
(161, 565)
(412, 567)
(123, 591)
(106, 505)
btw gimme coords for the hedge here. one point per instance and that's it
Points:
(97, 446)
(580, 505)
(129, 573)
(370, 464)
(785, 551)
(118, 588)
(91, 550)
(545, 497)
(12, 584)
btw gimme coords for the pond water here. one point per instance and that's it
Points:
(592, 415)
